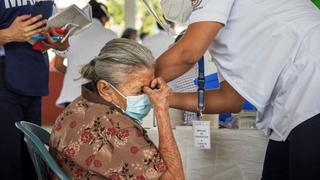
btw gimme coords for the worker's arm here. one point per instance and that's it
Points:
(58, 64)
(186, 52)
(225, 99)
(22, 29)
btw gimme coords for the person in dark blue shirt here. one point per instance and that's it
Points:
(24, 76)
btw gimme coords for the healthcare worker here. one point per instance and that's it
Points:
(266, 52)
(83, 48)
(23, 79)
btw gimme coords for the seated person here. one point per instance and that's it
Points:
(98, 136)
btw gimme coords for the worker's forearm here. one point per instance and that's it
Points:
(179, 63)
(174, 63)
(58, 64)
(61, 68)
(216, 102)
(168, 147)
(5, 37)
(187, 51)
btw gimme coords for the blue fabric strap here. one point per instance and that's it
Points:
(201, 84)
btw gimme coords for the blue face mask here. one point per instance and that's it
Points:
(138, 107)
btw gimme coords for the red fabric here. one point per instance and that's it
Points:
(40, 46)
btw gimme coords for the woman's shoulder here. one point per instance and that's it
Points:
(78, 115)
(103, 132)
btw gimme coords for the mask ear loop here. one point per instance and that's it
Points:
(120, 95)
(117, 91)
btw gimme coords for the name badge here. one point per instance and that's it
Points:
(201, 134)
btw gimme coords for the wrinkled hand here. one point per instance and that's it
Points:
(55, 44)
(160, 98)
(24, 27)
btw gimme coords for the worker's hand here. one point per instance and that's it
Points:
(24, 27)
(160, 97)
(55, 44)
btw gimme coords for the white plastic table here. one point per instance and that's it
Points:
(235, 154)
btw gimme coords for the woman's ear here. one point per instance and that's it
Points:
(103, 88)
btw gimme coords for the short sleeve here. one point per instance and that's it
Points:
(54, 10)
(220, 77)
(211, 10)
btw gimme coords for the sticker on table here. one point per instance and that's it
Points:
(201, 134)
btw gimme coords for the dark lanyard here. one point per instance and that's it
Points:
(201, 84)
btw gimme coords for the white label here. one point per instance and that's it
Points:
(201, 134)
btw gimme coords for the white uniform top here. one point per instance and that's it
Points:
(269, 52)
(83, 48)
(158, 43)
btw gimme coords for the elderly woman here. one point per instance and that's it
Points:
(98, 136)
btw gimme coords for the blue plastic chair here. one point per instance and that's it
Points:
(36, 138)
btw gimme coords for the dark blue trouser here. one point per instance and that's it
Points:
(298, 158)
(14, 156)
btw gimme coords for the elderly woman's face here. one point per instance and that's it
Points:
(135, 81)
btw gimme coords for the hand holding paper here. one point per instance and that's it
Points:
(72, 19)
(56, 44)
(47, 41)
(68, 22)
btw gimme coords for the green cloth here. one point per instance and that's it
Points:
(316, 2)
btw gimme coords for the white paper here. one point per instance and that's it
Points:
(73, 18)
(87, 10)
(201, 134)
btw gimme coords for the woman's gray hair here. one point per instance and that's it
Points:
(116, 60)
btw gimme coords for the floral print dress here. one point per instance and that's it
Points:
(92, 140)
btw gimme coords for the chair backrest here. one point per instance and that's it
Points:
(36, 138)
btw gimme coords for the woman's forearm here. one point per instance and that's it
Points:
(168, 147)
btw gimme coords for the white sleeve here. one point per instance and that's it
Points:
(220, 77)
(54, 10)
(211, 10)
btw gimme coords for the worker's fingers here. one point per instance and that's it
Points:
(32, 20)
(23, 17)
(54, 32)
(49, 39)
(35, 32)
(49, 45)
(36, 25)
